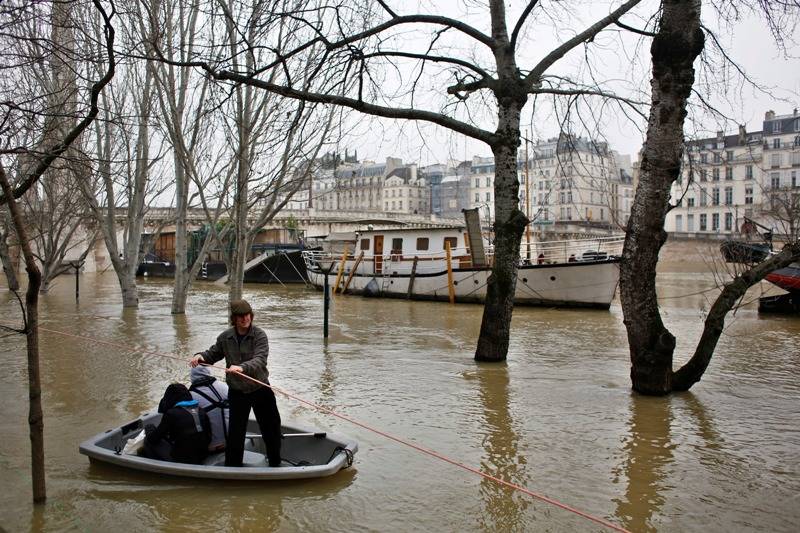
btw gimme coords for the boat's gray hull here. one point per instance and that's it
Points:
(326, 454)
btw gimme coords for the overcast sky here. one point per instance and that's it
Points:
(749, 43)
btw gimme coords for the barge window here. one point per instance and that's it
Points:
(397, 246)
(365, 244)
(452, 240)
(422, 243)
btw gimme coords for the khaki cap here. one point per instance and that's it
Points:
(240, 307)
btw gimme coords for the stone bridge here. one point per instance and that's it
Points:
(312, 222)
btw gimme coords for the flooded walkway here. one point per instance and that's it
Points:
(558, 418)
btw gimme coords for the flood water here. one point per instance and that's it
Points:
(558, 417)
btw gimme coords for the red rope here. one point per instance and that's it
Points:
(389, 436)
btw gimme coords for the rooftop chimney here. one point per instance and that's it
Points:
(769, 115)
(742, 134)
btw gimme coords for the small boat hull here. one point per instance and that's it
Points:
(787, 278)
(306, 454)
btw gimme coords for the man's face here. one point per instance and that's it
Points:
(242, 322)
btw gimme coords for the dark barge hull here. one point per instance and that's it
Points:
(283, 267)
(783, 304)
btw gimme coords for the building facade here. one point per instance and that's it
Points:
(748, 175)
(575, 180)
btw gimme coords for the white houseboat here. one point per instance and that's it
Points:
(446, 264)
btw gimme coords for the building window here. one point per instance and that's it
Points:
(728, 195)
(748, 172)
(717, 157)
(728, 221)
(775, 160)
(569, 213)
(775, 180)
(715, 174)
(690, 201)
(794, 179)
(703, 197)
(477, 197)
(728, 173)
(715, 222)
(729, 156)
(703, 222)
(797, 124)
(703, 175)
(776, 143)
(704, 158)
(678, 223)
(796, 159)
(748, 196)
(488, 197)
(776, 127)
(715, 196)
(689, 222)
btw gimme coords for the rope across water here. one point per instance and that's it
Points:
(417, 447)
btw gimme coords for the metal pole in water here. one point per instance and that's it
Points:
(77, 268)
(326, 299)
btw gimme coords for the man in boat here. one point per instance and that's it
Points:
(212, 397)
(245, 348)
(184, 431)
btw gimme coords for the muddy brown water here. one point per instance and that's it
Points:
(558, 417)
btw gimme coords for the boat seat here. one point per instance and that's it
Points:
(249, 459)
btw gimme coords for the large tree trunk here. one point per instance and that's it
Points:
(8, 263)
(31, 311)
(181, 284)
(675, 47)
(509, 221)
(509, 225)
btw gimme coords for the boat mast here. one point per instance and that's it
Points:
(527, 201)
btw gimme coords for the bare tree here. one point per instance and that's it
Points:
(120, 190)
(364, 43)
(676, 45)
(185, 116)
(22, 111)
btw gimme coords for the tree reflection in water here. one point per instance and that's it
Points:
(503, 508)
(649, 454)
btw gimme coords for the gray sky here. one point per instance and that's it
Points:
(748, 42)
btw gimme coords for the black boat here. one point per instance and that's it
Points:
(280, 263)
(744, 252)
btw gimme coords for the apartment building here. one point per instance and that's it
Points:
(367, 186)
(729, 177)
(577, 180)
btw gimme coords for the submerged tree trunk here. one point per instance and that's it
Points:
(31, 313)
(8, 263)
(509, 225)
(675, 47)
(509, 221)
